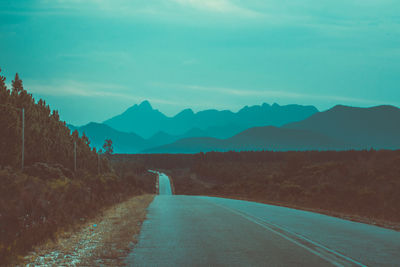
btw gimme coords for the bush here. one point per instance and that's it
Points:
(34, 208)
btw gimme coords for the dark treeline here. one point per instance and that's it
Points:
(48, 196)
(355, 183)
(47, 139)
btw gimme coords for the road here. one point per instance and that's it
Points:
(164, 185)
(207, 231)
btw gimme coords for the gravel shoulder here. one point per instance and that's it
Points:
(105, 240)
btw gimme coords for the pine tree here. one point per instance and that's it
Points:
(17, 86)
(108, 147)
(47, 139)
(4, 93)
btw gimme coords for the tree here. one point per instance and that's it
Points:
(17, 86)
(47, 139)
(108, 147)
(4, 93)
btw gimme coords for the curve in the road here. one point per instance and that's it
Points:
(164, 184)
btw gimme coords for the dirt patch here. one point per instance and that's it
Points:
(105, 240)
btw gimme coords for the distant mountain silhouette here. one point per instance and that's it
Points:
(257, 138)
(145, 121)
(190, 145)
(161, 138)
(376, 127)
(122, 142)
(338, 128)
(141, 119)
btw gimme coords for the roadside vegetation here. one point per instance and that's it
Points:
(105, 240)
(363, 184)
(51, 192)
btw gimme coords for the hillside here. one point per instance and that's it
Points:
(280, 139)
(141, 119)
(339, 128)
(257, 138)
(122, 142)
(377, 127)
(189, 145)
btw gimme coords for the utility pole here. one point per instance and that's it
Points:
(98, 163)
(75, 156)
(23, 139)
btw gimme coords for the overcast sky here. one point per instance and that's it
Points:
(92, 59)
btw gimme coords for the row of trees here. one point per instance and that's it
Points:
(47, 139)
(47, 196)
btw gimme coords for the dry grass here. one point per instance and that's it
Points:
(105, 240)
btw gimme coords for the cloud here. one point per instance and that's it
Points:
(90, 89)
(76, 88)
(102, 55)
(322, 16)
(170, 9)
(218, 6)
(276, 94)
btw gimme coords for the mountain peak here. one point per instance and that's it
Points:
(145, 105)
(185, 113)
(146, 121)
(265, 105)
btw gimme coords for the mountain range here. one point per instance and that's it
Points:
(339, 128)
(145, 121)
(253, 139)
(377, 127)
(264, 127)
(128, 129)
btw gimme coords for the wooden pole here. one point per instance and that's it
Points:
(23, 139)
(75, 156)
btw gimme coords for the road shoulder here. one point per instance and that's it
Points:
(104, 240)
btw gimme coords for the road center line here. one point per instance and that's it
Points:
(333, 257)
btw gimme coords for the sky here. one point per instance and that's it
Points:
(92, 59)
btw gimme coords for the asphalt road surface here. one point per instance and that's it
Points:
(164, 184)
(206, 231)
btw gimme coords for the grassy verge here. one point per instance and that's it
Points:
(104, 240)
(34, 208)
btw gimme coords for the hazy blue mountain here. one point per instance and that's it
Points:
(123, 142)
(257, 138)
(141, 119)
(145, 121)
(189, 145)
(338, 128)
(72, 127)
(161, 138)
(377, 127)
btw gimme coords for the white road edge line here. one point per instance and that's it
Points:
(250, 218)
